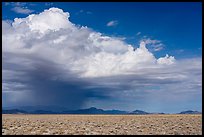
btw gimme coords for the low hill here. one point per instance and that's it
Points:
(190, 112)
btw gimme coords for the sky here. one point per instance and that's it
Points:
(125, 56)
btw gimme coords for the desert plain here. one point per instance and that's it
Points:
(167, 124)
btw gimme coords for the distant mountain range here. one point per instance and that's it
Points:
(92, 110)
(13, 111)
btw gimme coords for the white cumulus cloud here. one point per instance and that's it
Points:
(22, 10)
(79, 49)
(112, 23)
(166, 60)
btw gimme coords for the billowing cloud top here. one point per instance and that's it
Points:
(77, 49)
(47, 46)
(52, 19)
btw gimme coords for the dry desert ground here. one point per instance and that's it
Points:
(102, 124)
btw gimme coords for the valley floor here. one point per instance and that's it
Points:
(102, 124)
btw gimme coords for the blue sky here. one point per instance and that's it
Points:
(178, 25)
(171, 28)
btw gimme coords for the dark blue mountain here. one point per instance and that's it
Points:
(13, 111)
(43, 112)
(91, 110)
(37, 108)
(139, 112)
(94, 110)
(115, 112)
(190, 112)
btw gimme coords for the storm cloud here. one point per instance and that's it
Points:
(48, 60)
